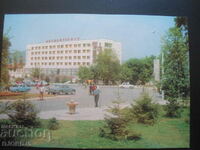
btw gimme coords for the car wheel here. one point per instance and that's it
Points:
(73, 92)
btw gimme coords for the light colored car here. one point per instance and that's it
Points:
(20, 88)
(126, 85)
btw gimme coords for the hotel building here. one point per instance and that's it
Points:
(65, 56)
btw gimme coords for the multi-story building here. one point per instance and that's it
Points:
(65, 56)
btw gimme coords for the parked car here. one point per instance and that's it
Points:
(126, 85)
(60, 89)
(40, 83)
(19, 88)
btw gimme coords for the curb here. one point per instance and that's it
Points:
(45, 98)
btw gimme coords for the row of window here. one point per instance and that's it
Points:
(60, 63)
(61, 52)
(60, 57)
(60, 46)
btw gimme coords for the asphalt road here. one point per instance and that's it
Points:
(107, 96)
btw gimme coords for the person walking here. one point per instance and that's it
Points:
(41, 92)
(96, 94)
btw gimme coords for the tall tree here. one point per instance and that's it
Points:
(4, 60)
(175, 80)
(36, 72)
(142, 69)
(108, 66)
(125, 73)
(85, 73)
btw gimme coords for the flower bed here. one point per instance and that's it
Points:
(7, 93)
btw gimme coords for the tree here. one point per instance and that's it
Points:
(108, 66)
(182, 23)
(36, 72)
(17, 59)
(125, 74)
(23, 113)
(175, 80)
(144, 110)
(142, 69)
(116, 124)
(95, 73)
(84, 73)
(4, 76)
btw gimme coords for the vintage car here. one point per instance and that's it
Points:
(20, 88)
(126, 85)
(60, 89)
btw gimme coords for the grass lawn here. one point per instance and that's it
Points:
(166, 133)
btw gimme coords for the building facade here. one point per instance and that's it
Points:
(65, 56)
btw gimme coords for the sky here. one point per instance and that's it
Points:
(140, 35)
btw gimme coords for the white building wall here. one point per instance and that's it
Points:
(46, 56)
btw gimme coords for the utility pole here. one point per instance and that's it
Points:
(163, 94)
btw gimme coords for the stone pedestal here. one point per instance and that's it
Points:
(72, 106)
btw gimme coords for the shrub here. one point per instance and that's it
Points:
(53, 124)
(4, 107)
(23, 113)
(116, 126)
(145, 111)
(173, 109)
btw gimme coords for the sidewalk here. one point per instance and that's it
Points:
(81, 114)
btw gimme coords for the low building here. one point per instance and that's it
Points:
(16, 71)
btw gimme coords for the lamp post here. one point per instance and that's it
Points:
(162, 59)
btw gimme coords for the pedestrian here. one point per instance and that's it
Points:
(90, 89)
(41, 92)
(96, 94)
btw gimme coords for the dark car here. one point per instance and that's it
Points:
(60, 89)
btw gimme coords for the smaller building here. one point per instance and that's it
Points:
(16, 71)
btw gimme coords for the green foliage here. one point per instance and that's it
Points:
(141, 69)
(125, 73)
(4, 76)
(116, 125)
(175, 80)
(85, 73)
(158, 86)
(23, 113)
(47, 79)
(182, 23)
(108, 66)
(19, 79)
(173, 108)
(36, 72)
(17, 59)
(145, 111)
(53, 124)
(4, 107)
